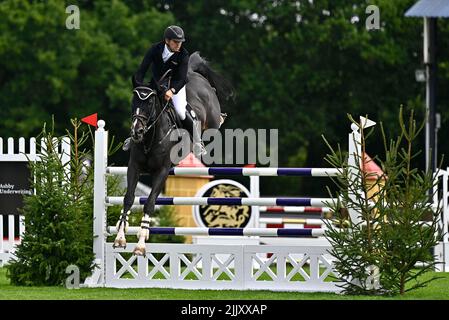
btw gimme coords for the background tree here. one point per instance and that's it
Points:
(47, 69)
(298, 66)
(392, 226)
(58, 216)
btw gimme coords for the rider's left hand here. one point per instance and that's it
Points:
(168, 95)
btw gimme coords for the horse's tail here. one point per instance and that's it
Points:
(223, 87)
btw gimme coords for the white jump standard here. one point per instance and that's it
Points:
(207, 262)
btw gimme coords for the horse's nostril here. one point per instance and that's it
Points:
(140, 130)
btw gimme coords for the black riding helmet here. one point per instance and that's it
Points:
(174, 33)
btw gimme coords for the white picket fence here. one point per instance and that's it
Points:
(441, 199)
(12, 226)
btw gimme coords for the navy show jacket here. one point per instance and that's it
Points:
(178, 62)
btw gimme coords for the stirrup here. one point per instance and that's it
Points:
(199, 149)
(127, 144)
(223, 117)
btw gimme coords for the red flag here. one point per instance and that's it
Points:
(92, 120)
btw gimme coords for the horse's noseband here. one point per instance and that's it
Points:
(143, 119)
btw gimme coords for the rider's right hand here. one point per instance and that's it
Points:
(168, 95)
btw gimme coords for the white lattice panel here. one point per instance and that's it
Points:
(238, 267)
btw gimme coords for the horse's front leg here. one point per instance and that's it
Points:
(122, 224)
(144, 231)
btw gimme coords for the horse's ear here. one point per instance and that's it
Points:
(135, 82)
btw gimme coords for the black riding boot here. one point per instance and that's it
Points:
(195, 132)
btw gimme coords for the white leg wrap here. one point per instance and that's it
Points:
(122, 228)
(143, 232)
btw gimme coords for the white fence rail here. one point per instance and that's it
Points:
(12, 225)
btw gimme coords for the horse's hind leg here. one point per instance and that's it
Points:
(122, 224)
(144, 231)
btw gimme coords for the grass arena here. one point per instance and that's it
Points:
(221, 260)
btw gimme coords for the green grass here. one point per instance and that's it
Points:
(436, 290)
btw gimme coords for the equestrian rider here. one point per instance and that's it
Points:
(163, 56)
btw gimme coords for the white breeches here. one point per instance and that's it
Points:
(180, 102)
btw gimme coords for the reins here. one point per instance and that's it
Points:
(144, 118)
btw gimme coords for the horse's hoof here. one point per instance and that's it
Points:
(139, 251)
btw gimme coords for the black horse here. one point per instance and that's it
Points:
(150, 131)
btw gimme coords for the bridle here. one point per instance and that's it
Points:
(143, 119)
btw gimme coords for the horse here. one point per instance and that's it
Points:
(206, 91)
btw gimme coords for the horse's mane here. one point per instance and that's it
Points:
(223, 87)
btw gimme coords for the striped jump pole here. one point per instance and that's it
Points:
(294, 209)
(308, 222)
(264, 232)
(237, 171)
(315, 202)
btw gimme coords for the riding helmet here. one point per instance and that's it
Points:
(174, 33)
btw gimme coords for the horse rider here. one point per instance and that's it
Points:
(163, 56)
